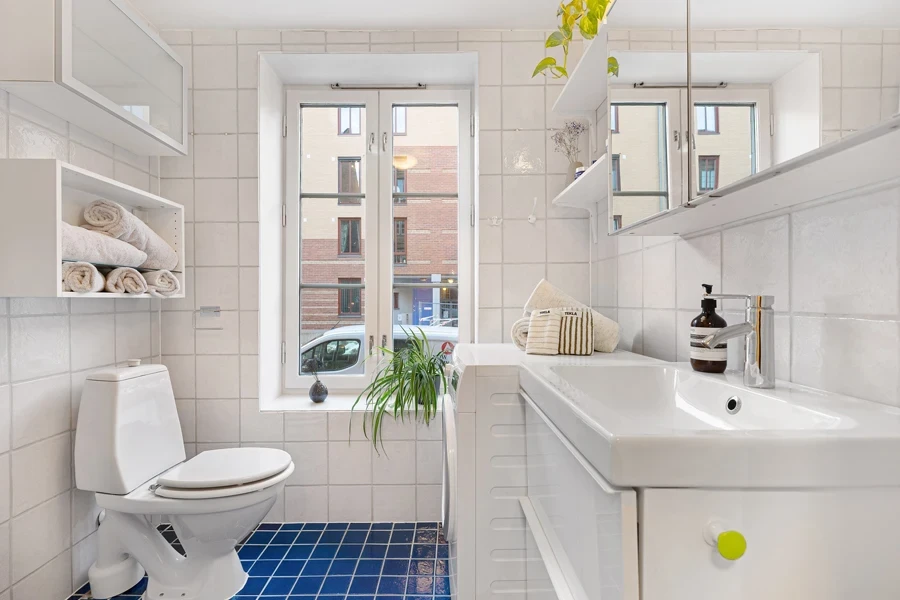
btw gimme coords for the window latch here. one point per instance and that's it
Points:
(383, 344)
(384, 141)
(372, 142)
(371, 345)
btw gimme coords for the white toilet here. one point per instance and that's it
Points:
(130, 453)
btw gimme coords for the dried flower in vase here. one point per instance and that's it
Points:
(566, 139)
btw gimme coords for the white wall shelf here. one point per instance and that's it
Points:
(100, 66)
(589, 192)
(39, 193)
(867, 158)
(587, 86)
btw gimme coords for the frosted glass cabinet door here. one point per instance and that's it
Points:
(112, 58)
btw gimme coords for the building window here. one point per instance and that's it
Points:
(617, 222)
(616, 173)
(400, 241)
(396, 300)
(349, 299)
(399, 120)
(348, 120)
(707, 119)
(709, 173)
(348, 179)
(399, 185)
(614, 119)
(349, 236)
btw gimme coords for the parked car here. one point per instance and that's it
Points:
(341, 351)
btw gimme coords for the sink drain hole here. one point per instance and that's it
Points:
(733, 405)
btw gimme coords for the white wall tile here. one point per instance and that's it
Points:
(659, 276)
(217, 286)
(257, 426)
(861, 65)
(133, 335)
(392, 503)
(524, 242)
(490, 161)
(568, 240)
(215, 244)
(429, 461)
(349, 463)
(248, 200)
(428, 502)
(394, 463)
(310, 463)
(519, 60)
(698, 261)
(215, 111)
(490, 286)
(523, 107)
(572, 278)
(519, 281)
(631, 336)
(53, 580)
(219, 67)
(303, 504)
(40, 472)
(860, 108)
(524, 152)
(39, 346)
(755, 260)
(40, 409)
(39, 535)
(489, 61)
(5, 417)
(216, 200)
(349, 502)
(659, 334)
(489, 112)
(218, 420)
(215, 155)
(630, 278)
(523, 195)
(218, 377)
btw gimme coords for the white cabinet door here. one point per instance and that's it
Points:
(808, 544)
(590, 525)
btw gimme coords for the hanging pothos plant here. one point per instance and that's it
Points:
(587, 15)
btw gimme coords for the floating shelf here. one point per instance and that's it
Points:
(864, 160)
(587, 87)
(39, 193)
(589, 192)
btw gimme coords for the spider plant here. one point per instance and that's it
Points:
(406, 385)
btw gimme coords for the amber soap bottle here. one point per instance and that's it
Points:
(708, 360)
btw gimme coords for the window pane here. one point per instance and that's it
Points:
(399, 120)
(731, 141)
(428, 153)
(348, 120)
(425, 232)
(348, 178)
(321, 147)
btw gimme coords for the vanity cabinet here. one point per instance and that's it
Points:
(584, 529)
(98, 65)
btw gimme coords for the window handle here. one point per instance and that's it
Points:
(383, 339)
(371, 343)
(676, 138)
(371, 141)
(384, 141)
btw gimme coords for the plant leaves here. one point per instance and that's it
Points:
(612, 66)
(559, 71)
(556, 38)
(544, 65)
(589, 26)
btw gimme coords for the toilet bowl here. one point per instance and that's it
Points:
(129, 452)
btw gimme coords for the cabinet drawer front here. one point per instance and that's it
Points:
(590, 524)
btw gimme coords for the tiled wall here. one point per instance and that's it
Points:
(47, 346)
(860, 67)
(215, 371)
(832, 268)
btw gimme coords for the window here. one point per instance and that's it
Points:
(707, 119)
(348, 179)
(349, 299)
(399, 185)
(614, 119)
(333, 355)
(616, 173)
(396, 300)
(349, 237)
(399, 120)
(709, 173)
(617, 222)
(400, 241)
(348, 120)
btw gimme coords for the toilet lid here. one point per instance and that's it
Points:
(227, 467)
(223, 492)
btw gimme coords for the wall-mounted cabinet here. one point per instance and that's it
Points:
(98, 65)
(38, 194)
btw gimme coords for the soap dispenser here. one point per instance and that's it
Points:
(708, 360)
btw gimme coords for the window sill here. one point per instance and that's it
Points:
(338, 402)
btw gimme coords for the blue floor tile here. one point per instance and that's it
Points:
(335, 561)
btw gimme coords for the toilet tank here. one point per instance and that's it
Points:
(128, 429)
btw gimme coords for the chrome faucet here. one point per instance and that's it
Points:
(759, 328)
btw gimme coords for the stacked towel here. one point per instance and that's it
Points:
(543, 332)
(81, 277)
(576, 331)
(77, 243)
(125, 280)
(162, 283)
(114, 221)
(545, 295)
(519, 332)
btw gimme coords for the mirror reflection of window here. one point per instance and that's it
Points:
(348, 178)
(616, 174)
(726, 144)
(348, 120)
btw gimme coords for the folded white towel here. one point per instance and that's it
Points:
(576, 332)
(115, 221)
(162, 283)
(546, 295)
(125, 280)
(77, 243)
(81, 277)
(543, 332)
(519, 332)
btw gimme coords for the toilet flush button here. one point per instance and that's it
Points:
(134, 362)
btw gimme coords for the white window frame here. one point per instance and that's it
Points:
(378, 217)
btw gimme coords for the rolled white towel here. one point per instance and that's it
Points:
(162, 283)
(125, 280)
(80, 244)
(81, 277)
(519, 333)
(546, 295)
(113, 220)
(543, 332)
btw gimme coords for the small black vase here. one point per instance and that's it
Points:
(318, 392)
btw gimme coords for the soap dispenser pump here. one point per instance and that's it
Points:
(708, 360)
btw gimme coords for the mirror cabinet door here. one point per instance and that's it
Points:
(647, 150)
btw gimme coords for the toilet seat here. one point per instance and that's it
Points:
(225, 472)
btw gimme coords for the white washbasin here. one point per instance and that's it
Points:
(656, 424)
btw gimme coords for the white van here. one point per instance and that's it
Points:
(341, 351)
